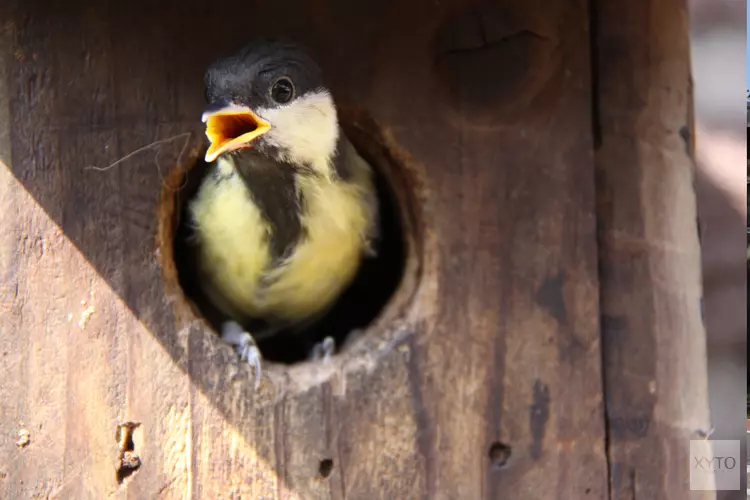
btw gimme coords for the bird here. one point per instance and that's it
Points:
(288, 209)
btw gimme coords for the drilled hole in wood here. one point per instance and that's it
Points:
(128, 461)
(499, 454)
(383, 286)
(325, 467)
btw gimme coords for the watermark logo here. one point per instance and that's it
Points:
(715, 465)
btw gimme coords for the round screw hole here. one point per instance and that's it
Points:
(325, 468)
(499, 454)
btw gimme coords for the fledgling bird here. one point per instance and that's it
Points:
(288, 208)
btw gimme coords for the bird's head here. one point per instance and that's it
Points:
(269, 96)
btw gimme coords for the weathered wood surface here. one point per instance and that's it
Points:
(501, 343)
(653, 338)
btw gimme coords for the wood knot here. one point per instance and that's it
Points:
(488, 60)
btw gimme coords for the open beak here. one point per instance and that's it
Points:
(232, 128)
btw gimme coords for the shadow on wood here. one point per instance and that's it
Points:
(490, 385)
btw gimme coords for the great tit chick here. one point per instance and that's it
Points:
(288, 208)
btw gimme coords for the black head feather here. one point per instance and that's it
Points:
(247, 76)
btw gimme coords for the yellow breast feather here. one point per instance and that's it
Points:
(327, 259)
(235, 256)
(233, 243)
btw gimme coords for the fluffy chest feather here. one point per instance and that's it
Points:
(249, 274)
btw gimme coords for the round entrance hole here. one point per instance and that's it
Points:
(382, 288)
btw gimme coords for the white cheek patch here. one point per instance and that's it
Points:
(306, 130)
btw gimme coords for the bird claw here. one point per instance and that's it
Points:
(244, 344)
(323, 351)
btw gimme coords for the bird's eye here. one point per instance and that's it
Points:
(282, 91)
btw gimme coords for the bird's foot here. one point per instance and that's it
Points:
(244, 343)
(323, 350)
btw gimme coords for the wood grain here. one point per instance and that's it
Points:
(490, 107)
(653, 338)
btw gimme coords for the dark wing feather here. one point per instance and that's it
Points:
(273, 190)
(352, 168)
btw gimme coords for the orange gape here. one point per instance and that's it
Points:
(232, 128)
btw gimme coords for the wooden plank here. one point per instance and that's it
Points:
(653, 338)
(499, 350)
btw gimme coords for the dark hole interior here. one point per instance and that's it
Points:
(499, 454)
(128, 444)
(356, 308)
(124, 436)
(325, 467)
(129, 462)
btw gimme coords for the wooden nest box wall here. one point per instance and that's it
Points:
(543, 338)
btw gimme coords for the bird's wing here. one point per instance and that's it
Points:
(373, 230)
(361, 174)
